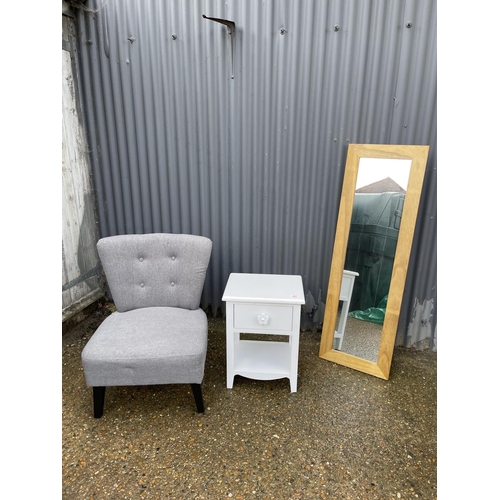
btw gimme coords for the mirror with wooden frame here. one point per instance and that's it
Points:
(373, 240)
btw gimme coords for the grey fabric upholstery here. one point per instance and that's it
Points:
(158, 269)
(148, 346)
(158, 335)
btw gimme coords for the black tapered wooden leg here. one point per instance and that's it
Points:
(98, 401)
(198, 397)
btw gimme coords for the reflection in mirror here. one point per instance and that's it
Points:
(376, 221)
(376, 218)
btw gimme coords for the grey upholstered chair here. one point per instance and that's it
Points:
(158, 334)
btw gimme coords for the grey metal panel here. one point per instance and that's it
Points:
(254, 162)
(415, 121)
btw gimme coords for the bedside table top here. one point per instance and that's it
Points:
(270, 288)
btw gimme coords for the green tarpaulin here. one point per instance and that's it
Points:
(372, 314)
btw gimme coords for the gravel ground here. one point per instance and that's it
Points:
(342, 435)
(362, 339)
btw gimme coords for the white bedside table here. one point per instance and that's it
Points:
(346, 288)
(267, 304)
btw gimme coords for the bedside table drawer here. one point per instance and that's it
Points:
(263, 317)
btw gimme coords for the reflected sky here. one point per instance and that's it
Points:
(375, 169)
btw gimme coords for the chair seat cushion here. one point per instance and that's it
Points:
(147, 346)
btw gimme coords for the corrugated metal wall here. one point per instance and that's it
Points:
(256, 162)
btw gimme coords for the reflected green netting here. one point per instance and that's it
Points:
(372, 314)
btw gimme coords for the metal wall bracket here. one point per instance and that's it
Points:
(81, 278)
(231, 28)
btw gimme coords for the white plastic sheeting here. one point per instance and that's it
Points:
(80, 286)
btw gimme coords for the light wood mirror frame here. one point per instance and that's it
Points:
(418, 156)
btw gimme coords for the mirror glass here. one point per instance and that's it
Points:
(377, 216)
(371, 247)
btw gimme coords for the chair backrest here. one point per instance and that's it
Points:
(160, 269)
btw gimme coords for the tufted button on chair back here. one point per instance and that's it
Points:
(155, 270)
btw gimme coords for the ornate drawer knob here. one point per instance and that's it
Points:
(263, 319)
